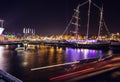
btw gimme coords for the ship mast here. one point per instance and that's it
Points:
(76, 22)
(88, 22)
(76, 18)
(100, 22)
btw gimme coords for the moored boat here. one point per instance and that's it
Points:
(91, 44)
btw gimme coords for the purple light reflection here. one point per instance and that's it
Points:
(80, 54)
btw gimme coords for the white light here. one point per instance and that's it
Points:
(1, 30)
(1, 58)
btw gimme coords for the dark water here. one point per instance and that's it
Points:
(19, 63)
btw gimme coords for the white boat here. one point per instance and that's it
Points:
(20, 48)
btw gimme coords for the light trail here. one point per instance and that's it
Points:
(51, 66)
(71, 74)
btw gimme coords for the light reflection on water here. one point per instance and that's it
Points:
(80, 54)
(1, 58)
(43, 56)
(19, 63)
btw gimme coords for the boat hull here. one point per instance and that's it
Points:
(115, 45)
(93, 46)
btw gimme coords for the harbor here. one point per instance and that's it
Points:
(86, 50)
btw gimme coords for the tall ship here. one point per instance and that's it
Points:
(87, 43)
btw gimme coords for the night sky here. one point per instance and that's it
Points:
(49, 17)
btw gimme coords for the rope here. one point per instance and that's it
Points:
(96, 6)
(72, 18)
(83, 4)
(68, 25)
(106, 27)
(75, 13)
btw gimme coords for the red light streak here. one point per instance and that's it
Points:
(109, 65)
(71, 74)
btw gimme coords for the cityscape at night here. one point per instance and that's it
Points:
(47, 16)
(59, 41)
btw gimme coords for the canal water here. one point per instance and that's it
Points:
(19, 62)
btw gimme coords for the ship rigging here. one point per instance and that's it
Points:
(76, 17)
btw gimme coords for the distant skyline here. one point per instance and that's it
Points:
(50, 17)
